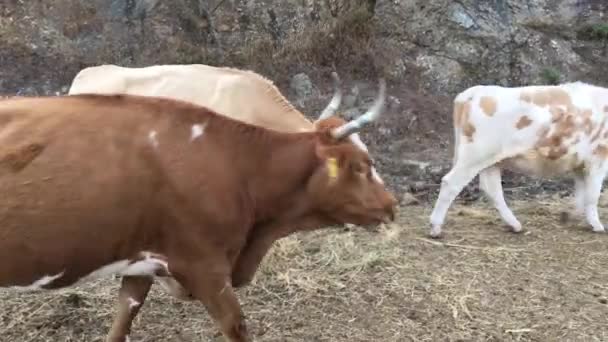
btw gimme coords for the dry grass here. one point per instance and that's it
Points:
(480, 283)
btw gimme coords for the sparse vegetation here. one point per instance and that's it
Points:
(551, 75)
(345, 42)
(594, 32)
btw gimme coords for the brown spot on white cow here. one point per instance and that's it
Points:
(551, 145)
(488, 105)
(523, 122)
(542, 132)
(557, 113)
(566, 126)
(599, 130)
(547, 97)
(587, 122)
(468, 129)
(606, 108)
(601, 151)
(458, 107)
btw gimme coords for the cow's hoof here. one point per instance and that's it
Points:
(436, 233)
(516, 229)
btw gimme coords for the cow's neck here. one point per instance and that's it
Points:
(279, 190)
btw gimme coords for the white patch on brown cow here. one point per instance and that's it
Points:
(133, 303)
(197, 130)
(38, 284)
(149, 265)
(152, 138)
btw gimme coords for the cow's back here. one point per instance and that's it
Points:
(240, 94)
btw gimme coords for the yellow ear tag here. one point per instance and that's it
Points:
(332, 168)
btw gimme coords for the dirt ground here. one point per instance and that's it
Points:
(479, 283)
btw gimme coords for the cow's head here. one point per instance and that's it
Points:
(343, 187)
(330, 111)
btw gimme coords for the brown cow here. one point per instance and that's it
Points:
(166, 188)
(239, 94)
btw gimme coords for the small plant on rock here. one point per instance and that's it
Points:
(551, 75)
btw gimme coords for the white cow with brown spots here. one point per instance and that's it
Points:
(541, 131)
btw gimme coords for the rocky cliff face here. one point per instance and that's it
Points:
(428, 49)
(508, 42)
(452, 44)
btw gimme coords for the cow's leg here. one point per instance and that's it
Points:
(451, 185)
(250, 259)
(131, 296)
(175, 289)
(579, 196)
(214, 290)
(260, 243)
(490, 183)
(579, 201)
(593, 188)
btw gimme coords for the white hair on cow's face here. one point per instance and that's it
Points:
(360, 144)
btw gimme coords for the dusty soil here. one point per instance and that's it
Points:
(479, 283)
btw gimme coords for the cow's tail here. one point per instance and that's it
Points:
(456, 141)
(459, 100)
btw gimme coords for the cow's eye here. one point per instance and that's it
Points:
(358, 168)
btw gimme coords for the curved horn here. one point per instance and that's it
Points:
(334, 104)
(371, 115)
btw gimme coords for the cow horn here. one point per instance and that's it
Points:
(371, 115)
(334, 104)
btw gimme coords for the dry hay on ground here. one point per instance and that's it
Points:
(480, 283)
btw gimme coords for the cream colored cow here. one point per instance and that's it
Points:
(541, 131)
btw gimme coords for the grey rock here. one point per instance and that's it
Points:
(397, 69)
(461, 17)
(414, 168)
(455, 44)
(302, 86)
(349, 100)
(351, 113)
